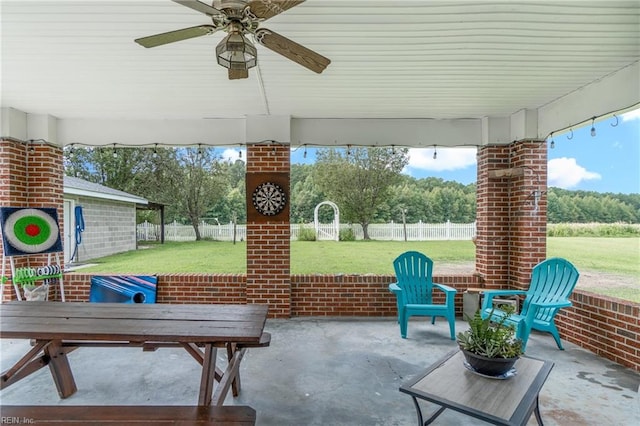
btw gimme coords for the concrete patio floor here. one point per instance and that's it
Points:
(331, 372)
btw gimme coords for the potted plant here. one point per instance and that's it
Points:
(490, 349)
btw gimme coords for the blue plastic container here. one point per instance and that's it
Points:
(123, 289)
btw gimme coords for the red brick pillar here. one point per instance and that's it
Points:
(31, 175)
(268, 236)
(511, 212)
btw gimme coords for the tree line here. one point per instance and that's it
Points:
(367, 184)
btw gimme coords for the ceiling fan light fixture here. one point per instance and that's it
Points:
(236, 52)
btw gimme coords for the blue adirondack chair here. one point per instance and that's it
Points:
(414, 289)
(552, 282)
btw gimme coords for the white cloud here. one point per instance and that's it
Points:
(566, 173)
(631, 115)
(231, 154)
(448, 159)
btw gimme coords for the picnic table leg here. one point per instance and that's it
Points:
(228, 377)
(196, 353)
(60, 369)
(235, 385)
(208, 374)
(25, 366)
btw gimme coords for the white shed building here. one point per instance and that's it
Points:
(109, 220)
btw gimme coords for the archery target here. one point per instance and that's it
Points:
(30, 231)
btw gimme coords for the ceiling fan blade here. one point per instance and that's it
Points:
(200, 7)
(173, 36)
(266, 9)
(238, 74)
(292, 50)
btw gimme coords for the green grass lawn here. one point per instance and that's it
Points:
(370, 257)
(613, 255)
(307, 257)
(609, 255)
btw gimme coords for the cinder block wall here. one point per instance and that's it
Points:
(108, 227)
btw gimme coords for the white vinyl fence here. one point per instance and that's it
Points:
(380, 231)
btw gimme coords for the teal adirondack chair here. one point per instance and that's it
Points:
(552, 282)
(414, 289)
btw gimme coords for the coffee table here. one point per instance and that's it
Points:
(449, 384)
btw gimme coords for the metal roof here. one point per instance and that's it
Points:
(81, 187)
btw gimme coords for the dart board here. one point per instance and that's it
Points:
(269, 198)
(29, 231)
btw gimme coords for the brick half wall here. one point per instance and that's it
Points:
(359, 295)
(605, 326)
(311, 295)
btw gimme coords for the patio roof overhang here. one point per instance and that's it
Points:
(464, 74)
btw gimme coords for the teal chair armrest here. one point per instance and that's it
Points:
(533, 309)
(487, 300)
(449, 293)
(551, 304)
(400, 295)
(503, 292)
(445, 288)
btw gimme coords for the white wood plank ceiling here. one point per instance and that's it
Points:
(390, 59)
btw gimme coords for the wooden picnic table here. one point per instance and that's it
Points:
(57, 328)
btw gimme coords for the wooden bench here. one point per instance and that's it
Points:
(124, 415)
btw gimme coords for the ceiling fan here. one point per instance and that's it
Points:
(238, 18)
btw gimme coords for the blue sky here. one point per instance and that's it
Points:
(606, 162)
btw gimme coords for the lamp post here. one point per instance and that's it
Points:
(404, 222)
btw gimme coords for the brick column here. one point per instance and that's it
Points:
(268, 238)
(511, 212)
(492, 218)
(31, 175)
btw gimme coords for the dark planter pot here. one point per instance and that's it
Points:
(489, 366)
